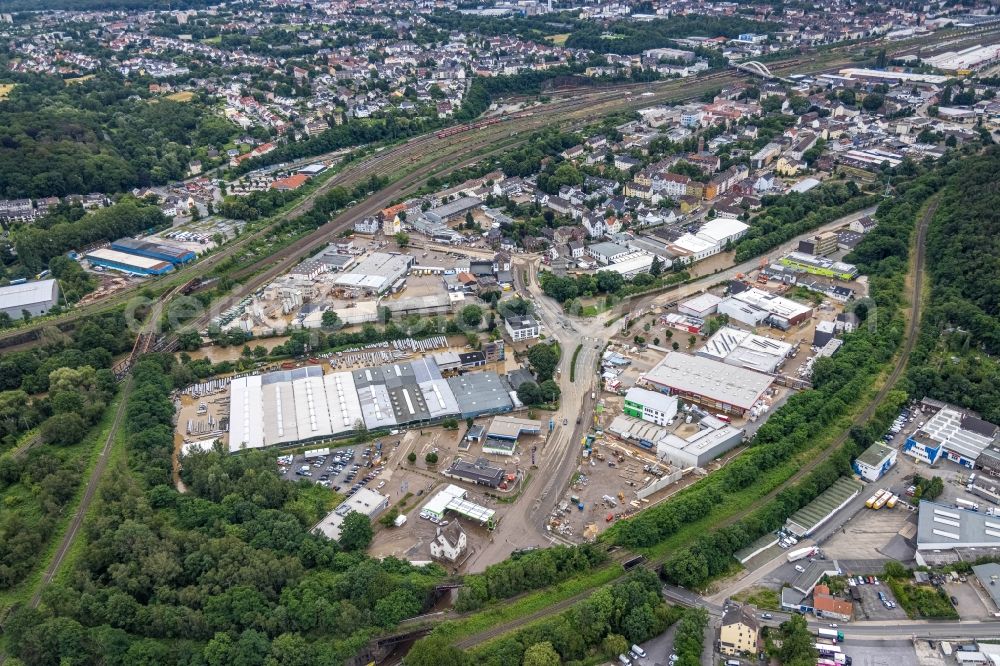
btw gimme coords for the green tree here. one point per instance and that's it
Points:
(356, 532)
(543, 359)
(614, 645)
(529, 393)
(796, 642)
(472, 315)
(549, 390)
(541, 654)
(64, 429)
(402, 239)
(412, 457)
(330, 319)
(431, 458)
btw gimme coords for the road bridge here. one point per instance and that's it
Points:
(759, 69)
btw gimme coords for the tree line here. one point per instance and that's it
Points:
(605, 624)
(956, 357)
(631, 37)
(36, 245)
(526, 571)
(793, 214)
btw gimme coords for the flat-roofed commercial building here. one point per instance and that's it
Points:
(875, 461)
(366, 501)
(35, 298)
(510, 427)
(651, 406)
(700, 448)
(743, 349)
(162, 251)
(127, 263)
(943, 527)
(377, 273)
(818, 265)
(755, 306)
(718, 386)
(480, 472)
(480, 394)
(953, 433)
(303, 404)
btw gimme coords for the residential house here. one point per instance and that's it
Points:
(450, 543)
(740, 630)
(826, 606)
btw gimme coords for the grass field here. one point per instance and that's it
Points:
(79, 79)
(558, 40)
(183, 96)
(5, 89)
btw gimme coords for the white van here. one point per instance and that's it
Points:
(624, 660)
(639, 651)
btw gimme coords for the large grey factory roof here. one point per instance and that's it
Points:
(304, 404)
(942, 527)
(456, 207)
(28, 293)
(377, 271)
(709, 378)
(480, 392)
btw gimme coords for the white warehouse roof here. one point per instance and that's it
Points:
(19, 296)
(710, 379)
(721, 229)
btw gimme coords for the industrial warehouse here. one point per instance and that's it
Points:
(304, 404)
(139, 257)
(953, 433)
(35, 298)
(734, 346)
(712, 383)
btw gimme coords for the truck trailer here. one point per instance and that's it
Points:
(801, 553)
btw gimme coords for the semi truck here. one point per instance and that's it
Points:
(832, 634)
(801, 553)
(881, 501)
(966, 504)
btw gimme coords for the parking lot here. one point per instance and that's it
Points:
(970, 605)
(871, 606)
(343, 470)
(882, 653)
(870, 535)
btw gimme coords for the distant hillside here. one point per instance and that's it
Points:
(77, 5)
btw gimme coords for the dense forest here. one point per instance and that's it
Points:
(956, 358)
(98, 135)
(53, 396)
